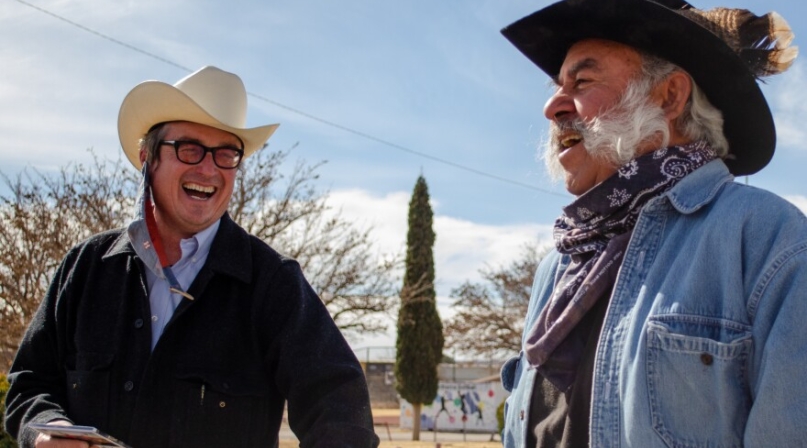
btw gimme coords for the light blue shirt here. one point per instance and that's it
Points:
(163, 302)
(704, 343)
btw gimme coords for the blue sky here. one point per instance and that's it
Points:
(434, 78)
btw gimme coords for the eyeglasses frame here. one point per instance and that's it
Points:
(207, 149)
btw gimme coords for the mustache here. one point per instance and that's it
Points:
(558, 129)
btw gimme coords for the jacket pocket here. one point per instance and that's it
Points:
(87, 389)
(697, 381)
(223, 409)
(510, 369)
(510, 377)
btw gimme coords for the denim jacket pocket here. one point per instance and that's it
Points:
(87, 386)
(697, 380)
(510, 369)
(213, 408)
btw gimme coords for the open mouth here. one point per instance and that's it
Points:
(197, 191)
(569, 140)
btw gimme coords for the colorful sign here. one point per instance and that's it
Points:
(469, 407)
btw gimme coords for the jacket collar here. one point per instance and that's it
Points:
(230, 253)
(700, 187)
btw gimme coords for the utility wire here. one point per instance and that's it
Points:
(104, 36)
(302, 113)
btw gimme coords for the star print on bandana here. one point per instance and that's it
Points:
(619, 198)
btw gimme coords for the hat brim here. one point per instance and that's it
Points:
(546, 36)
(154, 102)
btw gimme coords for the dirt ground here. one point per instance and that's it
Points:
(421, 444)
(386, 427)
(412, 444)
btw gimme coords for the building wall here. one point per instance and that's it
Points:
(381, 384)
(381, 379)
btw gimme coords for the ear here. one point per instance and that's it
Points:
(142, 155)
(674, 93)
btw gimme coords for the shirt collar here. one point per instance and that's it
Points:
(197, 247)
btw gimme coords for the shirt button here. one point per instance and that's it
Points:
(707, 359)
(154, 318)
(128, 386)
(521, 414)
(138, 323)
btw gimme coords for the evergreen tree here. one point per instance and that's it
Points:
(420, 332)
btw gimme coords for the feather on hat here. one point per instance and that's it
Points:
(762, 42)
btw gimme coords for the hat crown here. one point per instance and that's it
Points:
(221, 94)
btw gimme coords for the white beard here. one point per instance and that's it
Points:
(616, 134)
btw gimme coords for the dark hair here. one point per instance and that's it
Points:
(151, 141)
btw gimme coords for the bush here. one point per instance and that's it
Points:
(6, 441)
(500, 416)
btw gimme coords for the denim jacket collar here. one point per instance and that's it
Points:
(700, 187)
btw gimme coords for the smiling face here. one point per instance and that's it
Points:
(190, 198)
(592, 81)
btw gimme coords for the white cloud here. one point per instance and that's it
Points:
(799, 201)
(789, 105)
(462, 247)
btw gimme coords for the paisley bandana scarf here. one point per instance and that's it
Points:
(595, 230)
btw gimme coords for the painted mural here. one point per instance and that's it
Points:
(469, 407)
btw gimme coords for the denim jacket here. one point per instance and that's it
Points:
(704, 343)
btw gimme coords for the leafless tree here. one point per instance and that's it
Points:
(43, 215)
(490, 316)
(356, 283)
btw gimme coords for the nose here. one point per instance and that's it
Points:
(207, 165)
(558, 105)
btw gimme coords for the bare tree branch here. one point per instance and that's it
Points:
(490, 317)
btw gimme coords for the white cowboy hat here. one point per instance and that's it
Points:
(209, 96)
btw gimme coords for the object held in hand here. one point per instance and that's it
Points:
(86, 433)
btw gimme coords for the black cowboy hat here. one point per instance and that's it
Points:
(677, 32)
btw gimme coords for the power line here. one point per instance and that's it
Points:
(104, 36)
(300, 112)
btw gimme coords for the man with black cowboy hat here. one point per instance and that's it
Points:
(183, 329)
(671, 313)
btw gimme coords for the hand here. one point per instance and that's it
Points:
(46, 441)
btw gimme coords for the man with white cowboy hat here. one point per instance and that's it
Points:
(183, 329)
(671, 312)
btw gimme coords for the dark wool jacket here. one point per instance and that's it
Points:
(255, 336)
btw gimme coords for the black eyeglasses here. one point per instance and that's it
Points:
(192, 153)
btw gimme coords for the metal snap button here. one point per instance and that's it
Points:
(707, 359)
(128, 386)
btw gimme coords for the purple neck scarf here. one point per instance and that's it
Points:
(595, 230)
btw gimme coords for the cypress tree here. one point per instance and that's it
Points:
(420, 331)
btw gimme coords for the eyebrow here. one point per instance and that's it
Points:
(584, 64)
(186, 138)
